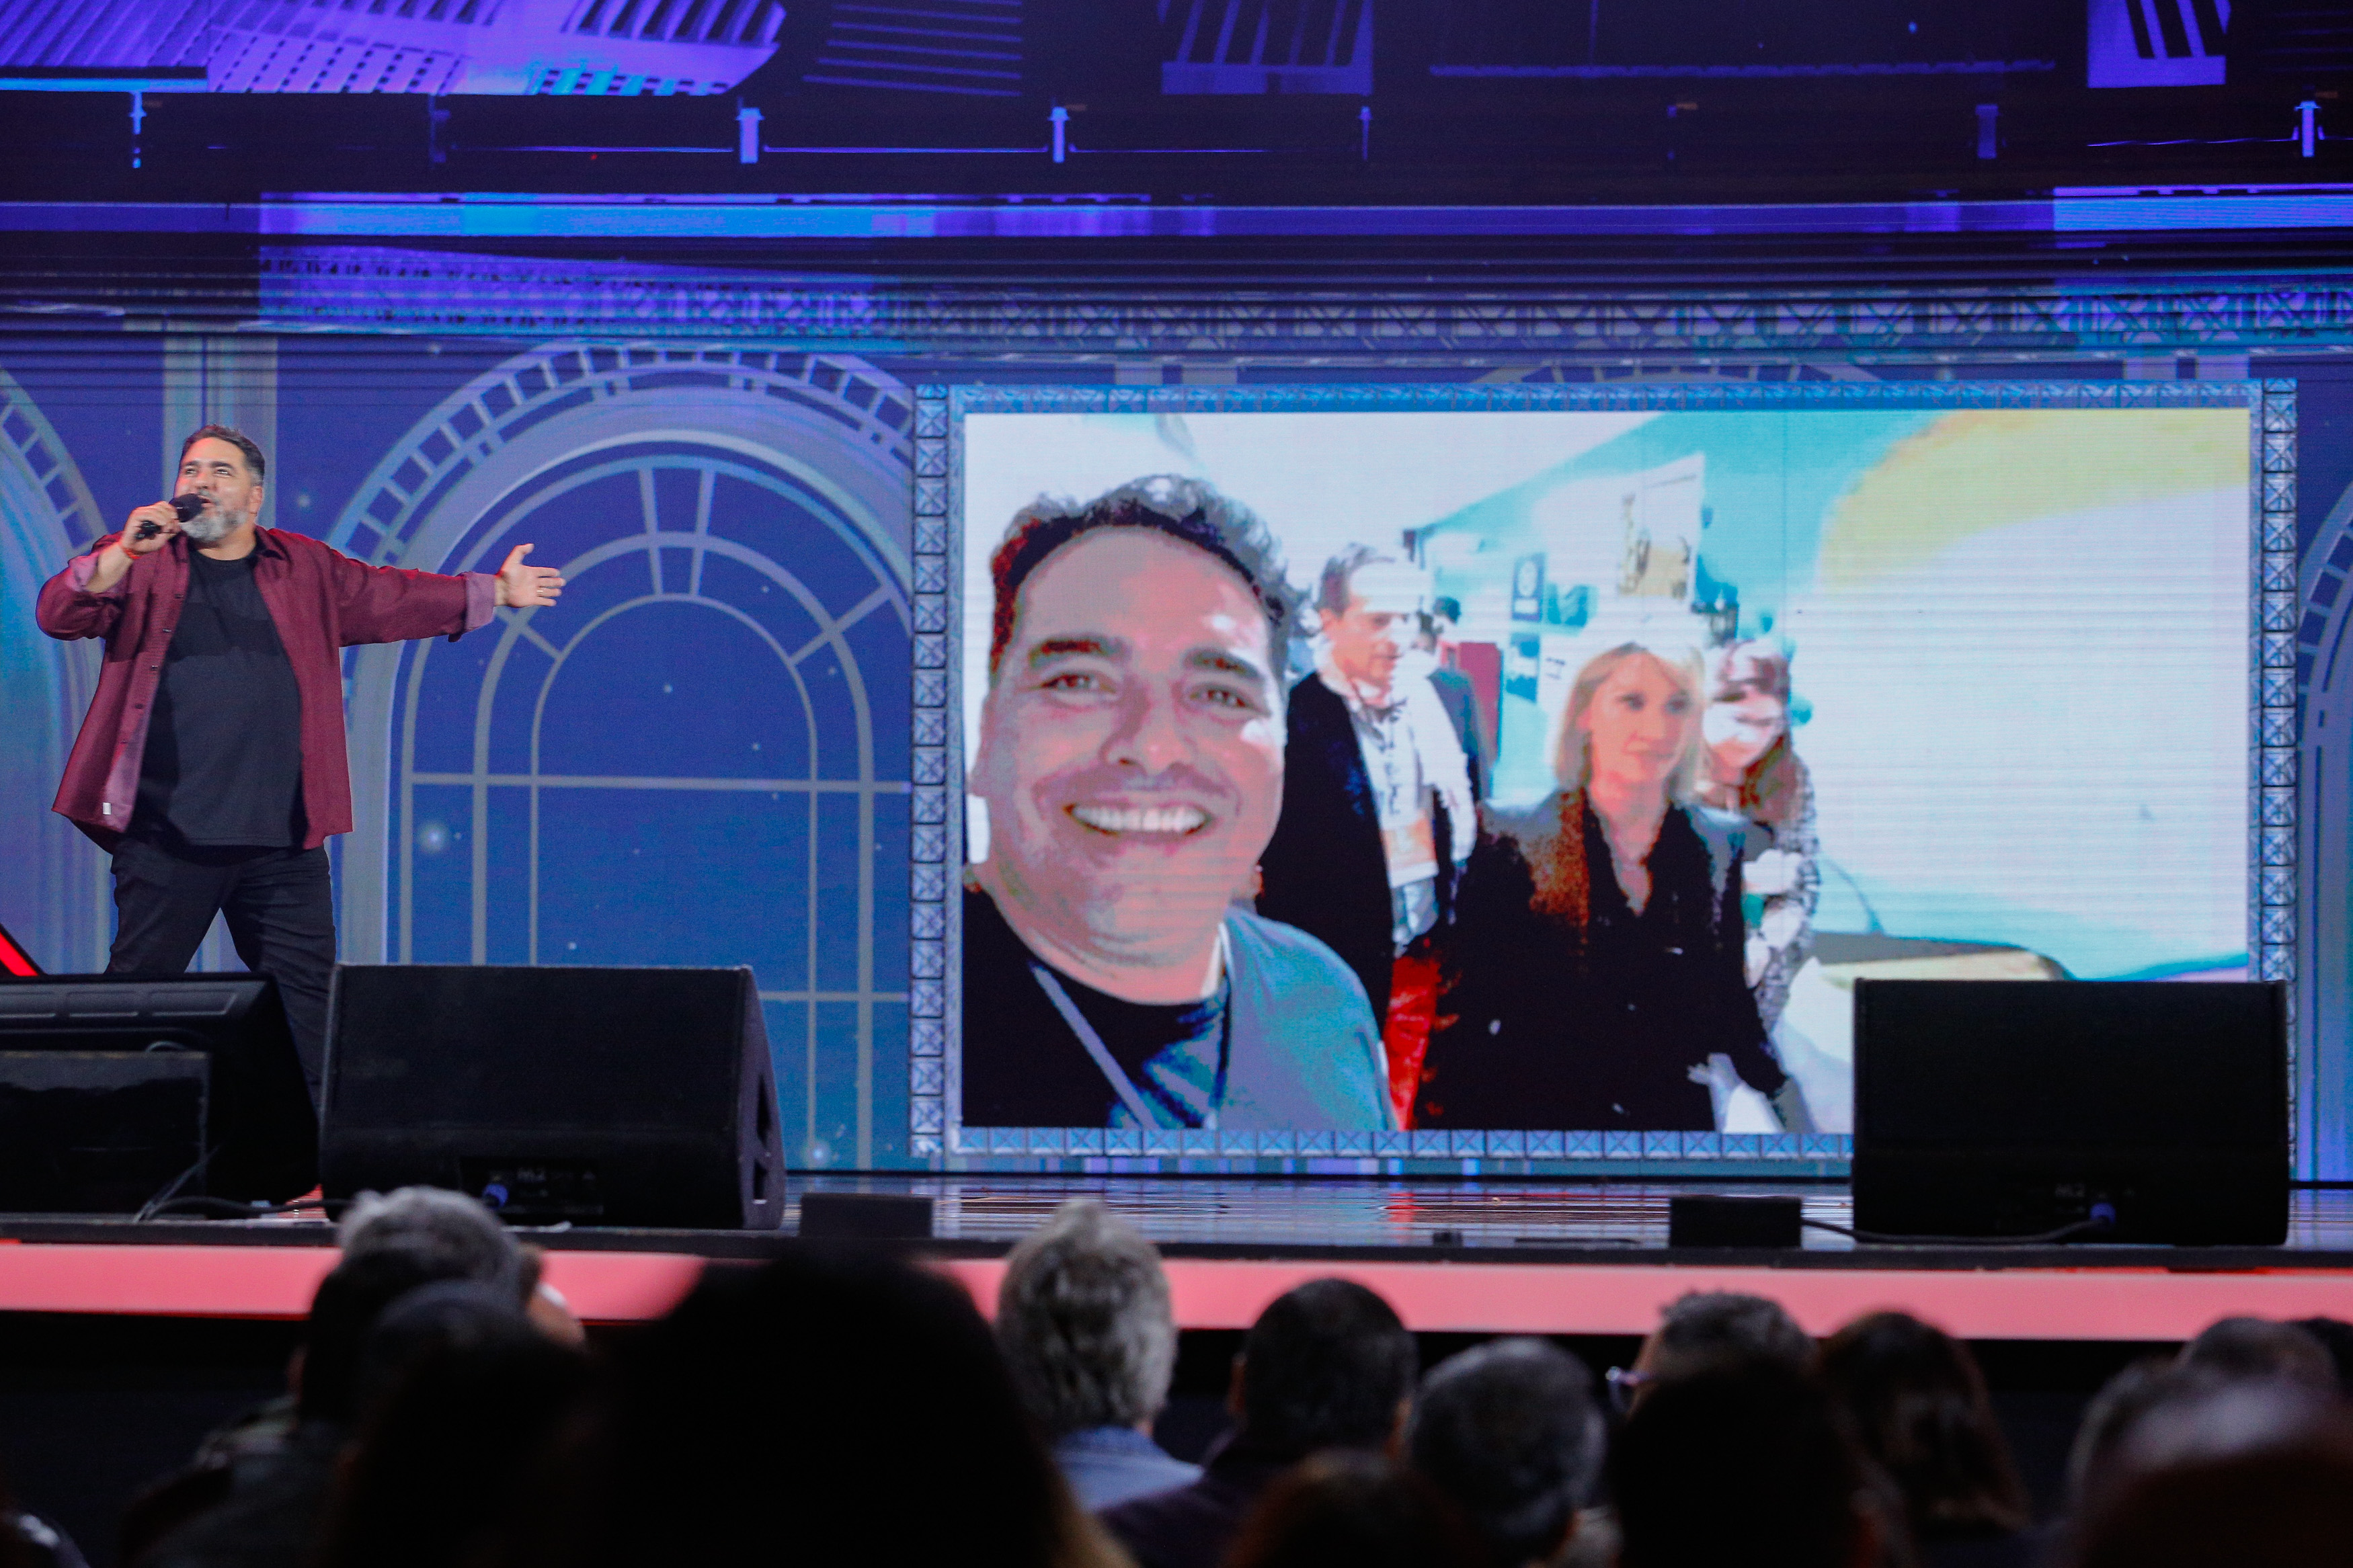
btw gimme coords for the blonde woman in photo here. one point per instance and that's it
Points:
(1597, 961)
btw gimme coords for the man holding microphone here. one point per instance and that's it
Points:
(211, 762)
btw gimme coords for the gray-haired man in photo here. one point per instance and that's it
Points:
(1084, 1320)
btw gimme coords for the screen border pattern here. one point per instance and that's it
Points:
(939, 1137)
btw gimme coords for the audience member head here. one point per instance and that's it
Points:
(2238, 1348)
(2161, 1411)
(2109, 1415)
(824, 1396)
(1703, 1331)
(1747, 1464)
(1913, 1398)
(343, 1314)
(1345, 1510)
(2199, 1417)
(448, 1314)
(458, 1236)
(2256, 1473)
(1328, 1365)
(466, 1394)
(1084, 1321)
(2336, 1337)
(1510, 1432)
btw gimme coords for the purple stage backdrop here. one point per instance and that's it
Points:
(718, 749)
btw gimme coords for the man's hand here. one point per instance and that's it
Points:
(114, 561)
(163, 515)
(522, 587)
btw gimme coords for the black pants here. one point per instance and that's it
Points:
(280, 906)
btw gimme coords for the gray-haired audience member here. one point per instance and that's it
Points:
(1328, 1365)
(253, 1497)
(1706, 1331)
(1510, 1432)
(465, 1241)
(262, 1508)
(454, 1233)
(1084, 1321)
(459, 1393)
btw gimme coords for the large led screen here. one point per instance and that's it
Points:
(1350, 771)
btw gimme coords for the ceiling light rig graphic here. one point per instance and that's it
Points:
(561, 48)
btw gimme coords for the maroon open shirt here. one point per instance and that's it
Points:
(321, 601)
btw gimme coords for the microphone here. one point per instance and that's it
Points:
(187, 506)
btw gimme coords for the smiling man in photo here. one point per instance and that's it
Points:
(1130, 757)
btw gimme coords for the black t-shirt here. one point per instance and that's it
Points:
(1023, 1066)
(224, 759)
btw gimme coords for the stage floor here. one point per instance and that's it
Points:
(1208, 1215)
(1453, 1256)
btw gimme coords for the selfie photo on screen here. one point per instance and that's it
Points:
(1563, 768)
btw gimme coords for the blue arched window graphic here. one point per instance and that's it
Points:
(55, 893)
(697, 757)
(2323, 919)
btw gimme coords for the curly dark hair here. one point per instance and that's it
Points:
(1183, 508)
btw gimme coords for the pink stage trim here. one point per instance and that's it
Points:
(278, 1281)
(1625, 1298)
(1215, 1293)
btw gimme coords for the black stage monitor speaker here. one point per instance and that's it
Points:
(106, 1112)
(612, 1097)
(1713, 1219)
(99, 1131)
(1997, 1108)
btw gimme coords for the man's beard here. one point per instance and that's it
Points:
(208, 526)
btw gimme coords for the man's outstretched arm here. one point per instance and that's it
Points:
(385, 604)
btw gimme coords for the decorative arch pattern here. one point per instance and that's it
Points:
(699, 757)
(55, 897)
(2325, 918)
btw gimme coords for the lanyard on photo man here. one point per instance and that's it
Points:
(1122, 1085)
